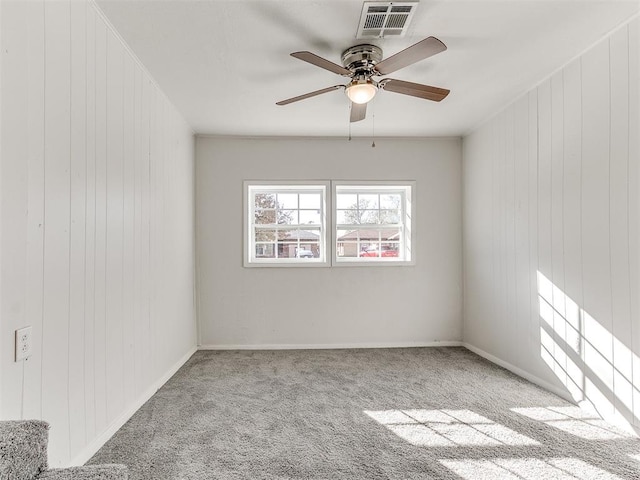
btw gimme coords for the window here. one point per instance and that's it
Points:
(373, 223)
(286, 224)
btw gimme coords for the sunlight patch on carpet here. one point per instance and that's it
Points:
(527, 469)
(576, 421)
(447, 428)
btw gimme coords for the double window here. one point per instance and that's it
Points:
(286, 223)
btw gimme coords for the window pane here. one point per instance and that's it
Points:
(310, 216)
(347, 235)
(265, 235)
(369, 216)
(347, 243)
(287, 234)
(381, 250)
(389, 216)
(308, 250)
(287, 217)
(392, 234)
(348, 217)
(346, 200)
(310, 200)
(368, 200)
(265, 250)
(304, 235)
(347, 249)
(287, 249)
(351, 243)
(390, 250)
(371, 250)
(265, 200)
(288, 200)
(390, 201)
(369, 235)
(263, 217)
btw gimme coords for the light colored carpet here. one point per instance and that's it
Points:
(23, 456)
(23, 449)
(419, 413)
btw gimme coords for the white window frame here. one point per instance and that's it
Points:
(294, 186)
(408, 191)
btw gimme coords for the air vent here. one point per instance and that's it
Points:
(382, 19)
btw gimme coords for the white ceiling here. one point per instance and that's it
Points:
(224, 64)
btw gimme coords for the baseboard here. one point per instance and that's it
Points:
(91, 449)
(330, 346)
(521, 373)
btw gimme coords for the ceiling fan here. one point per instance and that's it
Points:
(363, 62)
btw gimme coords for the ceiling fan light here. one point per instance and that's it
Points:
(361, 92)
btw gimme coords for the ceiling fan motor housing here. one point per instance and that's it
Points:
(361, 59)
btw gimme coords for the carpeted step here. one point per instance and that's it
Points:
(23, 449)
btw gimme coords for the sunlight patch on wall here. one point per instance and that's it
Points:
(576, 421)
(587, 358)
(447, 428)
(527, 469)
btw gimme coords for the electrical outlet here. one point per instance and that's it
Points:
(23, 343)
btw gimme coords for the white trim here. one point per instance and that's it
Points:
(521, 373)
(330, 346)
(91, 449)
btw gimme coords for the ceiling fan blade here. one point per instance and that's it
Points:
(358, 112)
(414, 89)
(416, 52)
(309, 95)
(314, 59)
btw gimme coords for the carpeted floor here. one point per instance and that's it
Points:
(418, 413)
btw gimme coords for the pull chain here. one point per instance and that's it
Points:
(373, 128)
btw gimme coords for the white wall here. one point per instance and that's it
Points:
(337, 306)
(551, 185)
(97, 245)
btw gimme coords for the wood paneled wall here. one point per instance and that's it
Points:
(551, 216)
(97, 215)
